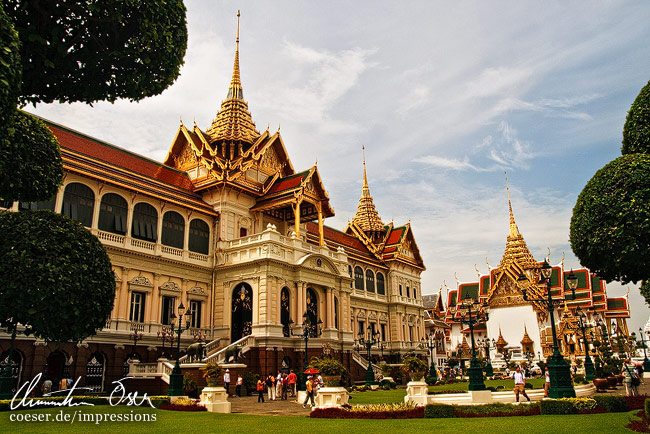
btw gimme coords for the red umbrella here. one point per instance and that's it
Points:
(312, 371)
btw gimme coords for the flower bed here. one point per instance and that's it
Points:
(406, 410)
(183, 404)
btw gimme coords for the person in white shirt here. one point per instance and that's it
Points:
(226, 381)
(520, 383)
(547, 382)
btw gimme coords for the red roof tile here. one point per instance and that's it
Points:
(287, 183)
(395, 236)
(110, 154)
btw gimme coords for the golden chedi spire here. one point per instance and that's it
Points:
(526, 340)
(516, 248)
(501, 343)
(367, 217)
(233, 129)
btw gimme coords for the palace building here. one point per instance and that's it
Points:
(228, 228)
(523, 326)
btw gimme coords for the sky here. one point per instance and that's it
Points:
(445, 97)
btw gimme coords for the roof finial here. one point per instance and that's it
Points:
(365, 179)
(238, 14)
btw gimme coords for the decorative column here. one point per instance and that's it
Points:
(296, 214)
(96, 209)
(124, 294)
(329, 306)
(154, 307)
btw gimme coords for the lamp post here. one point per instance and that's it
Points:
(166, 335)
(135, 335)
(559, 370)
(487, 345)
(471, 313)
(646, 361)
(368, 341)
(589, 364)
(430, 344)
(307, 332)
(176, 377)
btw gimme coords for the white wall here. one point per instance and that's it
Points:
(512, 320)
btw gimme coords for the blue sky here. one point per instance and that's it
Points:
(444, 97)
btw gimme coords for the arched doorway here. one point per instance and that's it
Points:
(242, 312)
(16, 366)
(285, 313)
(95, 372)
(56, 367)
(312, 312)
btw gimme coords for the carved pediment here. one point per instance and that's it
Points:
(507, 293)
(170, 286)
(141, 280)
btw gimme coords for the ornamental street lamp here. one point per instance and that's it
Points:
(430, 344)
(471, 313)
(7, 376)
(559, 370)
(487, 345)
(135, 335)
(308, 331)
(166, 335)
(589, 365)
(176, 377)
(371, 338)
(646, 361)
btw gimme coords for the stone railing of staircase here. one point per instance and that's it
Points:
(246, 343)
(361, 361)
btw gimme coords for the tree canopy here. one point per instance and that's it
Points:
(636, 132)
(10, 71)
(610, 227)
(98, 50)
(29, 149)
(56, 276)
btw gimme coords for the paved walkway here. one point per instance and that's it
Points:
(249, 405)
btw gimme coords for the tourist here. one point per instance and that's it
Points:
(226, 381)
(278, 385)
(270, 386)
(260, 390)
(631, 380)
(292, 383)
(309, 387)
(547, 382)
(285, 386)
(47, 386)
(238, 385)
(520, 383)
(63, 384)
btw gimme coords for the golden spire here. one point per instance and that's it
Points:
(234, 122)
(367, 217)
(500, 343)
(526, 339)
(516, 248)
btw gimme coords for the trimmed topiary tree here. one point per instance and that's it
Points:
(10, 71)
(56, 277)
(98, 50)
(610, 227)
(30, 161)
(636, 132)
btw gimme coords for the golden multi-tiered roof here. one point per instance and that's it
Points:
(234, 122)
(367, 217)
(516, 248)
(526, 340)
(501, 343)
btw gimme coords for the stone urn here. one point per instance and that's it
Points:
(611, 382)
(601, 384)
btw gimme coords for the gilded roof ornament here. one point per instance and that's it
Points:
(526, 339)
(367, 217)
(500, 343)
(516, 248)
(234, 122)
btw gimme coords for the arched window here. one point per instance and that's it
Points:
(358, 278)
(312, 312)
(370, 281)
(78, 203)
(145, 222)
(408, 292)
(350, 273)
(242, 311)
(415, 293)
(173, 229)
(199, 241)
(380, 284)
(95, 372)
(336, 313)
(285, 313)
(112, 214)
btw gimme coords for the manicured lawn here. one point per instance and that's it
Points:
(186, 422)
(397, 395)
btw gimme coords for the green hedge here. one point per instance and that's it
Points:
(557, 406)
(646, 407)
(438, 410)
(612, 404)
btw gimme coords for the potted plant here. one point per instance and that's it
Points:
(415, 368)
(212, 372)
(330, 369)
